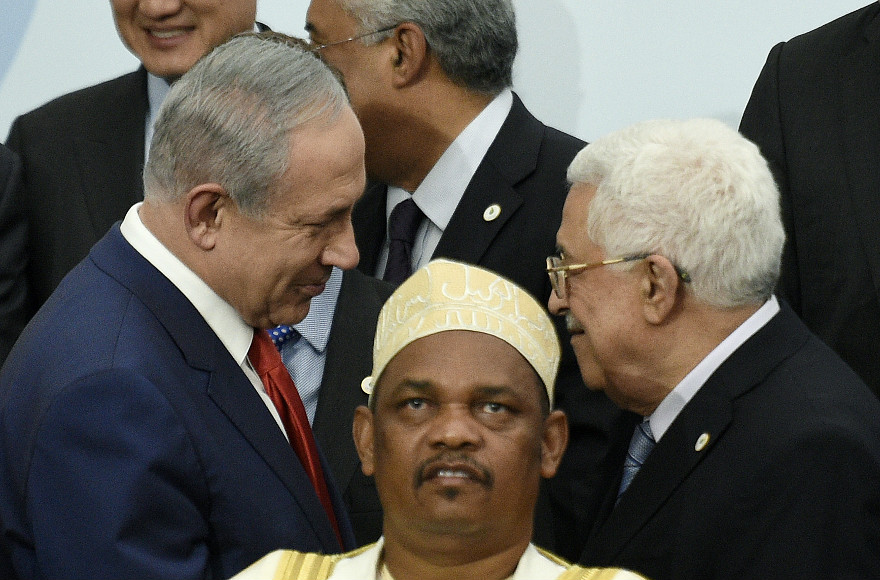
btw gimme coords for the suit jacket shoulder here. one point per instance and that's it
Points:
(13, 253)
(82, 156)
(758, 448)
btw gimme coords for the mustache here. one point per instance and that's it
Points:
(455, 461)
(572, 324)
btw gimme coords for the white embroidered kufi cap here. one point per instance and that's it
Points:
(445, 295)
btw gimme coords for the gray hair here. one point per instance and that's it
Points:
(474, 40)
(696, 192)
(229, 119)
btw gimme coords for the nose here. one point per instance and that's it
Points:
(455, 427)
(555, 304)
(157, 9)
(342, 251)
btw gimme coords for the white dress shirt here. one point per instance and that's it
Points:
(442, 189)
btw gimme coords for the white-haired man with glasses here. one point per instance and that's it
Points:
(750, 450)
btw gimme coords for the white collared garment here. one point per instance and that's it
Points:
(235, 334)
(674, 402)
(532, 566)
(442, 189)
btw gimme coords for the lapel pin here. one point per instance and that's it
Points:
(702, 441)
(492, 212)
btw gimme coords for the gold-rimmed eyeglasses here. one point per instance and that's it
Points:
(560, 272)
(356, 37)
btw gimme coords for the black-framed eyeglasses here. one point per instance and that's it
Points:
(559, 272)
(357, 37)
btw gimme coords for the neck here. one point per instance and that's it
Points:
(450, 558)
(439, 112)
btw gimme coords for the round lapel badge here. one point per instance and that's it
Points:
(492, 212)
(702, 441)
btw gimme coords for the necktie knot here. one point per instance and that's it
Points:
(640, 447)
(282, 334)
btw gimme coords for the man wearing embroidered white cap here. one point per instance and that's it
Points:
(458, 434)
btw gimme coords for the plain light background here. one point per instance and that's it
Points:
(585, 66)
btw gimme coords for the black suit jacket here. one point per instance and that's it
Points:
(815, 113)
(83, 157)
(349, 360)
(524, 173)
(787, 486)
(13, 242)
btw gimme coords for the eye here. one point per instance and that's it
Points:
(493, 408)
(415, 403)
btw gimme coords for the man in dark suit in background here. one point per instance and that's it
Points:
(147, 426)
(815, 113)
(750, 450)
(83, 153)
(13, 241)
(482, 179)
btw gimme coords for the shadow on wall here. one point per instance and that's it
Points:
(13, 26)
(547, 71)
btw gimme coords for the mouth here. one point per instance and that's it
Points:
(572, 324)
(168, 35)
(453, 471)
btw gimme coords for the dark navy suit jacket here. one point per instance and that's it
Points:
(133, 445)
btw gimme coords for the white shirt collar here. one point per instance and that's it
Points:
(235, 334)
(674, 402)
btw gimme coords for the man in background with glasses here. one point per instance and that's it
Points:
(750, 449)
(460, 169)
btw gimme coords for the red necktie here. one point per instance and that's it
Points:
(267, 361)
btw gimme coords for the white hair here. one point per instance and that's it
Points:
(694, 191)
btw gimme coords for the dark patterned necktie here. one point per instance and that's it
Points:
(402, 227)
(640, 446)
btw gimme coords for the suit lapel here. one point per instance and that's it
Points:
(859, 74)
(112, 154)
(349, 360)
(491, 199)
(368, 219)
(228, 387)
(678, 453)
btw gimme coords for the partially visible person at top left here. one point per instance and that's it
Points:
(83, 153)
(142, 433)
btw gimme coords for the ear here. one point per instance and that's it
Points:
(206, 207)
(553, 442)
(411, 58)
(362, 431)
(660, 285)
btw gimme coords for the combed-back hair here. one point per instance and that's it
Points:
(230, 119)
(474, 41)
(694, 191)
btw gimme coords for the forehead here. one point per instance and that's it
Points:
(572, 235)
(458, 363)
(326, 17)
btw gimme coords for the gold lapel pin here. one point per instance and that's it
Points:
(702, 441)
(492, 212)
